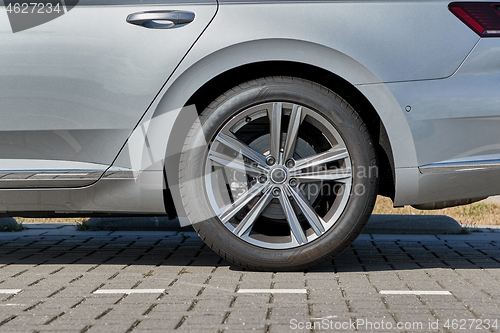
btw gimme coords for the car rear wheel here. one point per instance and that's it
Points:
(278, 174)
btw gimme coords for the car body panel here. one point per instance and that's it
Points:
(427, 62)
(207, 59)
(449, 115)
(454, 124)
(72, 92)
(377, 34)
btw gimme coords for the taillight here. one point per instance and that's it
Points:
(482, 17)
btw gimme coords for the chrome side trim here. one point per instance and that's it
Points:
(57, 178)
(460, 166)
(49, 174)
(118, 173)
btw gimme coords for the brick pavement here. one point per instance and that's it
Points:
(58, 269)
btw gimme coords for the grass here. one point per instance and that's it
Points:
(183, 271)
(82, 226)
(79, 222)
(469, 216)
(150, 273)
(51, 220)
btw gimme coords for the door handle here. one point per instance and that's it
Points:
(161, 19)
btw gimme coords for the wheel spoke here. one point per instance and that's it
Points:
(275, 130)
(292, 133)
(314, 220)
(340, 175)
(232, 142)
(295, 227)
(253, 214)
(235, 164)
(331, 155)
(231, 210)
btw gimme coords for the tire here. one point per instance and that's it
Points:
(278, 202)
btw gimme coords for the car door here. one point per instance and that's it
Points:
(72, 89)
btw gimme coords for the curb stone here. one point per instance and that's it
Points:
(8, 224)
(412, 224)
(377, 224)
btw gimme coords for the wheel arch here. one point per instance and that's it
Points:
(235, 76)
(201, 77)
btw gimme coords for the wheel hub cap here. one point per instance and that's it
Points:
(278, 175)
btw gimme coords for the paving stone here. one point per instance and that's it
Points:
(58, 268)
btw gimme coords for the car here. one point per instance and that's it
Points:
(270, 126)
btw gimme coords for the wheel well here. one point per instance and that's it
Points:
(225, 81)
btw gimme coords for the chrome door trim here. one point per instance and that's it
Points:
(55, 178)
(461, 166)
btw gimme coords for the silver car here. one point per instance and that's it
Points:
(270, 126)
